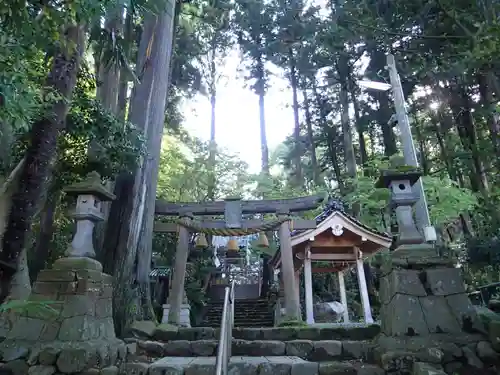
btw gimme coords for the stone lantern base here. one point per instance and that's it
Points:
(79, 333)
(426, 315)
(185, 317)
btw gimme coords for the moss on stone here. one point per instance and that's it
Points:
(292, 323)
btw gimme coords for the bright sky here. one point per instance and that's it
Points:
(237, 114)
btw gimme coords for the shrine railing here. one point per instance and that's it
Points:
(226, 332)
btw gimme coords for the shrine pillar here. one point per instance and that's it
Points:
(297, 284)
(308, 288)
(363, 289)
(343, 296)
(292, 304)
(176, 296)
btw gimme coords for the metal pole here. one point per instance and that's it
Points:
(422, 217)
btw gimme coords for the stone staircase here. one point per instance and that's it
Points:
(247, 313)
(257, 351)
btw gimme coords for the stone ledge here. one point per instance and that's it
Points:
(306, 349)
(452, 352)
(64, 357)
(279, 334)
(237, 365)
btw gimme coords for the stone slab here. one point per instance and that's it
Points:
(445, 281)
(438, 315)
(317, 351)
(77, 263)
(314, 333)
(237, 365)
(404, 316)
(402, 282)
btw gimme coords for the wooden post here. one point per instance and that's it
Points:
(179, 274)
(292, 307)
(343, 296)
(297, 284)
(363, 289)
(308, 288)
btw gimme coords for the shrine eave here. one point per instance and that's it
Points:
(342, 221)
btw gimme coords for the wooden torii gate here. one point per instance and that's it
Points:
(233, 209)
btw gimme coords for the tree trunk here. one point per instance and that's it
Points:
(350, 158)
(359, 125)
(40, 153)
(331, 134)
(108, 93)
(486, 84)
(296, 129)
(461, 108)
(129, 234)
(160, 63)
(41, 249)
(212, 146)
(384, 112)
(310, 137)
(261, 89)
(213, 106)
(124, 74)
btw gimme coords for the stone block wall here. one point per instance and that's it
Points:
(424, 296)
(79, 332)
(427, 317)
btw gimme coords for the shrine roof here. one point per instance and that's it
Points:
(336, 206)
(159, 272)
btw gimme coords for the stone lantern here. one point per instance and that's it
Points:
(402, 199)
(425, 308)
(90, 194)
(79, 331)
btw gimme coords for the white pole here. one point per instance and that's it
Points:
(308, 288)
(422, 217)
(363, 289)
(343, 296)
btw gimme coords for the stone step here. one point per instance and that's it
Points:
(314, 333)
(316, 351)
(286, 365)
(243, 315)
(241, 321)
(244, 324)
(241, 311)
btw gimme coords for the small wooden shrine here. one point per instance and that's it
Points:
(340, 240)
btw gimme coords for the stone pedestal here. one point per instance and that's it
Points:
(78, 332)
(426, 315)
(185, 317)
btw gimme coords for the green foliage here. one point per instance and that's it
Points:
(446, 200)
(21, 72)
(185, 176)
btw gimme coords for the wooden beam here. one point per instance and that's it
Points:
(325, 257)
(298, 224)
(334, 242)
(247, 207)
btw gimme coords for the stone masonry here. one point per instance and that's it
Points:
(79, 334)
(427, 319)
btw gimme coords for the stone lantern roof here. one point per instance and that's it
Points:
(91, 185)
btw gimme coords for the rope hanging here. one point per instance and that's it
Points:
(196, 227)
